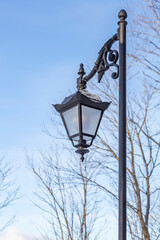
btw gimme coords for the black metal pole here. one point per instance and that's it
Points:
(122, 124)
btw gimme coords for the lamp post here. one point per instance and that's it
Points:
(82, 112)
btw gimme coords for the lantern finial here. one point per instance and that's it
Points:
(81, 84)
(82, 151)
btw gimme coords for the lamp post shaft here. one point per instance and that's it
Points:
(122, 125)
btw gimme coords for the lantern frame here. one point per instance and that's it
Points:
(82, 98)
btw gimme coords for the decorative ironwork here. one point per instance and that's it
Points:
(107, 58)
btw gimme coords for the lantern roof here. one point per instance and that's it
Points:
(83, 97)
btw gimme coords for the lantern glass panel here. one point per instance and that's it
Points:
(71, 120)
(90, 119)
(87, 139)
(76, 140)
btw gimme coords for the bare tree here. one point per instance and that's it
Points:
(145, 36)
(142, 156)
(7, 189)
(70, 203)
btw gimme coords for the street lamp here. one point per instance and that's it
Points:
(82, 112)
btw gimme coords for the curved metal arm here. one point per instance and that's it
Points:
(105, 60)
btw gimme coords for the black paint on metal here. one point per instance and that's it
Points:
(122, 124)
(107, 58)
(81, 98)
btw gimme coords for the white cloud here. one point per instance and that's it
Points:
(14, 234)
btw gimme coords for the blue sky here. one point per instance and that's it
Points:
(42, 44)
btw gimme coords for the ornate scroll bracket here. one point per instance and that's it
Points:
(107, 58)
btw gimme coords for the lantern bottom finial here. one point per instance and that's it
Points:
(82, 151)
